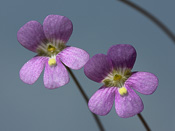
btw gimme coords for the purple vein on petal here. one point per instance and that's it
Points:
(31, 35)
(31, 70)
(122, 56)
(73, 57)
(98, 67)
(102, 101)
(128, 105)
(143, 82)
(57, 27)
(55, 76)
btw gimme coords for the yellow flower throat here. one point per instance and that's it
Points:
(117, 79)
(50, 50)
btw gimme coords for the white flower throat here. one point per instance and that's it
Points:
(117, 78)
(50, 50)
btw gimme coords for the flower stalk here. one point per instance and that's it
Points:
(144, 122)
(100, 126)
(151, 17)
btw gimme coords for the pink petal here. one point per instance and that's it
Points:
(143, 82)
(31, 70)
(101, 102)
(31, 35)
(55, 76)
(128, 105)
(73, 57)
(57, 27)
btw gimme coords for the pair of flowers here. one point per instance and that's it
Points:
(113, 70)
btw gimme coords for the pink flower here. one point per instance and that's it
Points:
(49, 42)
(114, 71)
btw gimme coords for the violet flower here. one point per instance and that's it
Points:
(114, 71)
(49, 42)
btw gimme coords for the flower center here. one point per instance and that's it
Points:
(117, 78)
(50, 49)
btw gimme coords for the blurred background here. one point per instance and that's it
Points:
(98, 24)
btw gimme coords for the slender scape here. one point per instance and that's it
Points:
(151, 17)
(144, 122)
(158, 23)
(86, 99)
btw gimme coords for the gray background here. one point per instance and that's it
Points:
(98, 24)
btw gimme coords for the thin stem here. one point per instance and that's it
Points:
(160, 25)
(143, 122)
(151, 17)
(86, 99)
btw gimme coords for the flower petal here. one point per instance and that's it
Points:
(58, 28)
(31, 70)
(143, 82)
(98, 67)
(101, 102)
(73, 57)
(31, 35)
(122, 56)
(55, 76)
(129, 104)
